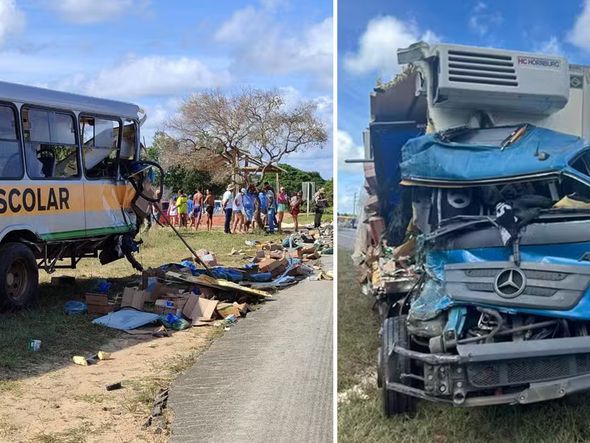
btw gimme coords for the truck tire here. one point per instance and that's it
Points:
(19, 276)
(395, 403)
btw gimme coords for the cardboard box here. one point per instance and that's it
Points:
(170, 304)
(134, 297)
(161, 290)
(199, 309)
(277, 255)
(207, 257)
(270, 264)
(96, 299)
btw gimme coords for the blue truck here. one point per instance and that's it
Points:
(475, 238)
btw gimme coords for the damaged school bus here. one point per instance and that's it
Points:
(476, 241)
(71, 184)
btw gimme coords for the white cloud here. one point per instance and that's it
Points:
(348, 150)
(379, 43)
(482, 19)
(320, 160)
(579, 35)
(261, 42)
(148, 76)
(94, 11)
(550, 46)
(350, 192)
(12, 19)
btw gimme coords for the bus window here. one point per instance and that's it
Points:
(100, 145)
(11, 161)
(128, 142)
(50, 144)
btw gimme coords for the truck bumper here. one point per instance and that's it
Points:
(500, 373)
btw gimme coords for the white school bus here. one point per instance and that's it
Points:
(71, 184)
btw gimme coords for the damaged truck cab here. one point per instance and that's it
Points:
(71, 184)
(476, 241)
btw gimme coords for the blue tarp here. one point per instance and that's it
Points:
(431, 159)
(126, 319)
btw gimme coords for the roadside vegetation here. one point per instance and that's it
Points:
(360, 416)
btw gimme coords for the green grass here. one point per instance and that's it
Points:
(360, 417)
(63, 336)
(73, 435)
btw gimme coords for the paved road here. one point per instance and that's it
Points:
(267, 379)
(346, 238)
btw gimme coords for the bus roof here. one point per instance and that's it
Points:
(17, 93)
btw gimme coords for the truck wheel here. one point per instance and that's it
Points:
(394, 403)
(19, 276)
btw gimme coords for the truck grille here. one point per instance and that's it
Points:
(547, 286)
(529, 370)
(486, 69)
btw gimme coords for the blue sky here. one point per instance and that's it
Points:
(369, 32)
(155, 53)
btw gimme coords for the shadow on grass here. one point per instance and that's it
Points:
(360, 416)
(62, 335)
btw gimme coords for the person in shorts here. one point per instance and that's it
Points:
(182, 207)
(190, 206)
(197, 208)
(282, 205)
(238, 211)
(295, 204)
(209, 206)
(172, 210)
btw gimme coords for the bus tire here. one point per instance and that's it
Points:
(19, 276)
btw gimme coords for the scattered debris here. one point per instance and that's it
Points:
(156, 417)
(34, 345)
(114, 386)
(126, 319)
(75, 307)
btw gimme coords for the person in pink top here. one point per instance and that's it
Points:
(282, 205)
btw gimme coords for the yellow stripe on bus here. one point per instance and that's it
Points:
(64, 198)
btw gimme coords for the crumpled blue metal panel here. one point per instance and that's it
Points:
(429, 158)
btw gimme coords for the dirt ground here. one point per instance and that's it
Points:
(72, 403)
(47, 398)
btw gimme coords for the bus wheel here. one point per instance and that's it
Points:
(19, 276)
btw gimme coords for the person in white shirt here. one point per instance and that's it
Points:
(227, 206)
(239, 211)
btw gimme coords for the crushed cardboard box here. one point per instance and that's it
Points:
(134, 298)
(199, 310)
(98, 303)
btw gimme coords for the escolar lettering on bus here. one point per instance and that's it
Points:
(33, 199)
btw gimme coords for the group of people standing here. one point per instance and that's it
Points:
(187, 211)
(239, 208)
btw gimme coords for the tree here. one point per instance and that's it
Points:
(292, 178)
(253, 126)
(176, 176)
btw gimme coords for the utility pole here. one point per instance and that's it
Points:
(354, 205)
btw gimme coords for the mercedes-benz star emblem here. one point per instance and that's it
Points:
(510, 283)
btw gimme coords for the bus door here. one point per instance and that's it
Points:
(107, 208)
